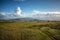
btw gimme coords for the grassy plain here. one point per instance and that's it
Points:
(30, 30)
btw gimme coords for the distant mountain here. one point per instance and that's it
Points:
(19, 19)
(24, 19)
(27, 19)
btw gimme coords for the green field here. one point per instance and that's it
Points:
(29, 30)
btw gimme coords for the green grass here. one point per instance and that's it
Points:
(30, 31)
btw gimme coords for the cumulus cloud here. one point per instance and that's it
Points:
(46, 15)
(34, 14)
(18, 11)
(7, 15)
(3, 15)
(43, 15)
(41, 12)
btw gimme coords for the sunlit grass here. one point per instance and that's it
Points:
(30, 31)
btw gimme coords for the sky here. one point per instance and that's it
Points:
(29, 7)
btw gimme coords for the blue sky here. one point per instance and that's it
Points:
(30, 8)
(29, 5)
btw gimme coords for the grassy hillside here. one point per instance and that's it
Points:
(30, 31)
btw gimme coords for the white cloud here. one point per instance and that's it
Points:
(46, 15)
(35, 11)
(19, 0)
(6, 15)
(41, 12)
(18, 11)
(34, 14)
(43, 15)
